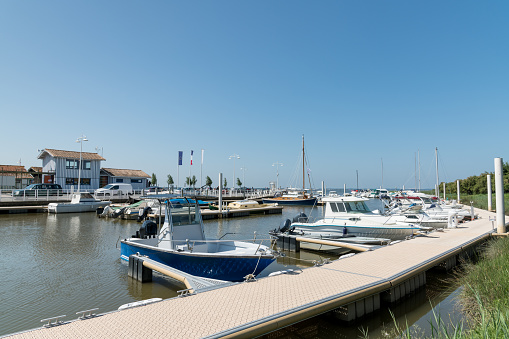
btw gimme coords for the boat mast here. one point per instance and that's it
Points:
(419, 161)
(303, 174)
(382, 160)
(357, 171)
(436, 162)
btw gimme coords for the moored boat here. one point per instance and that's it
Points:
(181, 244)
(351, 216)
(80, 202)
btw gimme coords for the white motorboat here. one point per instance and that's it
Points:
(80, 202)
(351, 216)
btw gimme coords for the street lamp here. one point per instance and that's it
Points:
(80, 140)
(243, 169)
(234, 156)
(277, 164)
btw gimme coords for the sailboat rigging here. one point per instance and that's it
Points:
(296, 198)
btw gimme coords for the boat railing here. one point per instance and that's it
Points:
(189, 244)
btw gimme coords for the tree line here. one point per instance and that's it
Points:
(190, 181)
(478, 184)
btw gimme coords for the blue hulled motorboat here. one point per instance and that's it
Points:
(181, 244)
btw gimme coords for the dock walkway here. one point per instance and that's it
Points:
(254, 308)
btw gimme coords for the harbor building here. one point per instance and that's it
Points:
(14, 176)
(62, 167)
(137, 178)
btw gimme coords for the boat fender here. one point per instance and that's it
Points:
(285, 226)
(345, 231)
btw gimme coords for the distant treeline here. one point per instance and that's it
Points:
(478, 184)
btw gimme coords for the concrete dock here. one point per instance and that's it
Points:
(351, 287)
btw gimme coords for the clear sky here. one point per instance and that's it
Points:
(362, 80)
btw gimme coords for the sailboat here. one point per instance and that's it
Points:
(294, 197)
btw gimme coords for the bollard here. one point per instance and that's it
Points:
(490, 194)
(294, 244)
(137, 270)
(286, 243)
(499, 195)
(280, 242)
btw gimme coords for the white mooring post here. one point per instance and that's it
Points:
(444, 190)
(220, 197)
(499, 195)
(323, 189)
(490, 194)
(458, 189)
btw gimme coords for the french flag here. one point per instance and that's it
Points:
(192, 157)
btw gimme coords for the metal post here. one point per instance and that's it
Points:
(458, 189)
(499, 195)
(323, 188)
(444, 189)
(220, 202)
(490, 194)
(437, 187)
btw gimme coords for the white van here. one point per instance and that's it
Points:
(115, 190)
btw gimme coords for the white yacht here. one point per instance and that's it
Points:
(351, 216)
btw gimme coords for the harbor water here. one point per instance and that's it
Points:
(60, 264)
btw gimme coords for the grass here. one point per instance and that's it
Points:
(480, 200)
(484, 300)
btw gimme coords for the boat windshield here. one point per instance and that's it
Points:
(356, 207)
(184, 214)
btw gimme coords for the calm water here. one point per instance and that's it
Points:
(61, 264)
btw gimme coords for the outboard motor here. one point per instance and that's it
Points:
(144, 214)
(285, 226)
(118, 213)
(148, 229)
(302, 217)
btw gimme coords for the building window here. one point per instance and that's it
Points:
(71, 164)
(136, 181)
(86, 165)
(119, 180)
(74, 181)
(71, 181)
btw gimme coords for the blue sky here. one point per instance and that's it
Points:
(362, 80)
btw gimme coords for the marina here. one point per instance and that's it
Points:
(242, 225)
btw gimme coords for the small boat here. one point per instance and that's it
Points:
(243, 204)
(351, 216)
(181, 244)
(287, 229)
(80, 202)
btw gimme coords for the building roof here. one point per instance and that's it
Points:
(115, 172)
(35, 169)
(14, 170)
(69, 154)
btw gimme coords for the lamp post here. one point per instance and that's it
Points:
(243, 169)
(80, 140)
(234, 156)
(277, 164)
